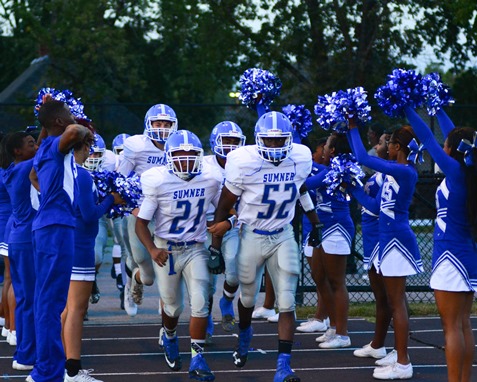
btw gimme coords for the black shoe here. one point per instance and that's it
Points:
(95, 294)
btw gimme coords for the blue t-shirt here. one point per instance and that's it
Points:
(87, 210)
(17, 182)
(57, 177)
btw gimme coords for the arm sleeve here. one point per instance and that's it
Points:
(233, 178)
(445, 122)
(316, 181)
(447, 164)
(371, 204)
(90, 211)
(127, 164)
(377, 164)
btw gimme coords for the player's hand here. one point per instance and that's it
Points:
(314, 240)
(216, 262)
(135, 212)
(220, 228)
(160, 256)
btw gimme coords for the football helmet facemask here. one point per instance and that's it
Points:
(118, 142)
(96, 154)
(276, 126)
(226, 129)
(160, 112)
(184, 154)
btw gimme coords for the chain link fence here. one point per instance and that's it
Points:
(112, 119)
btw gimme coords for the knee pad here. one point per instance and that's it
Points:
(286, 302)
(173, 310)
(199, 305)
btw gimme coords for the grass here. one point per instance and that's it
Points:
(367, 310)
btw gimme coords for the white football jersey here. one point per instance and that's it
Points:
(268, 193)
(109, 161)
(219, 172)
(178, 206)
(139, 155)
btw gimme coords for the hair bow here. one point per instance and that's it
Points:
(415, 152)
(467, 147)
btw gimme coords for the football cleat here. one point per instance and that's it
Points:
(241, 352)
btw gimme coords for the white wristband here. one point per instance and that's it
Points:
(306, 202)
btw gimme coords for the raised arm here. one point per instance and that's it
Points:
(74, 134)
(445, 122)
(447, 164)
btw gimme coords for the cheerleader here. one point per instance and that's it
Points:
(88, 213)
(398, 251)
(329, 260)
(370, 230)
(454, 260)
(21, 147)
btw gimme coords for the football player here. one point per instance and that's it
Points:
(140, 153)
(177, 196)
(268, 177)
(225, 137)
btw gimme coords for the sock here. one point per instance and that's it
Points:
(229, 296)
(170, 333)
(196, 347)
(285, 346)
(117, 268)
(116, 251)
(72, 366)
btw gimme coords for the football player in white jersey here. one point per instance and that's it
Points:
(118, 147)
(142, 152)
(225, 137)
(268, 177)
(177, 197)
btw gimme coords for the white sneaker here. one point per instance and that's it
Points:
(4, 332)
(396, 371)
(263, 313)
(274, 318)
(82, 376)
(336, 342)
(12, 338)
(330, 333)
(20, 366)
(129, 305)
(137, 290)
(312, 325)
(390, 359)
(161, 333)
(29, 379)
(368, 351)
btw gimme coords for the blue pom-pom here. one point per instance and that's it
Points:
(403, 88)
(301, 120)
(334, 110)
(128, 188)
(259, 86)
(343, 169)
(66, 96)
(436, 94)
